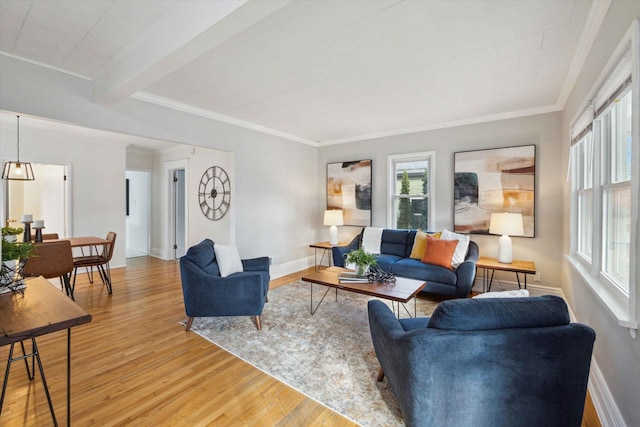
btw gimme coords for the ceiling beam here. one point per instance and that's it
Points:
(179, 37)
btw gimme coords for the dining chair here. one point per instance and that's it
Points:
(50, 236)
(52, 259)
(98, 260)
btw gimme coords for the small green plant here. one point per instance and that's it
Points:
(13, 249)
(361, 258)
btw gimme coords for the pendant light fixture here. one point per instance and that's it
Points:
(19, 171)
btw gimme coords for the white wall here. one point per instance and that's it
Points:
(616, 354)
(542, 130)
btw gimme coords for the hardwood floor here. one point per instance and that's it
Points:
(135, 365)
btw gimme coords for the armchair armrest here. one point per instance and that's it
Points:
(256, 264)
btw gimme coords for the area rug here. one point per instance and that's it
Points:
(327, 356)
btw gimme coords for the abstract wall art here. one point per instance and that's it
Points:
(349, 189)
(494, 180)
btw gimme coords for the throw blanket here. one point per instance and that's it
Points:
(371, 239)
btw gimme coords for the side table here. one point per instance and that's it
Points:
(324, 247)
(517, 266)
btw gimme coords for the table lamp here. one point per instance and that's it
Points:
(506, 224)
(333, 218)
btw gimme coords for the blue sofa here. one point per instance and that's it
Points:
(485, 362)
(394, 258)
(207, 294)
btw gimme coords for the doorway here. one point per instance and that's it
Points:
(138, 211)
(46, 198)
(178, 199)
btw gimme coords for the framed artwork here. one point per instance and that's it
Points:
(492, 181)
(349, 189)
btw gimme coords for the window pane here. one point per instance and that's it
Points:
(584, 162)
(617, 235)
(585, 213)
(411, 189)
(621, 142)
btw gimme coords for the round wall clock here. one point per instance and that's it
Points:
(214, 193)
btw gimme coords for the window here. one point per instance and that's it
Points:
(411, 191)
(584, 187)
(615, 126)
(604, 169)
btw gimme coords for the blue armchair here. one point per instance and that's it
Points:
(207, 294)
(485, 362)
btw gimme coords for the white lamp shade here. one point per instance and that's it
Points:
(509, 224)
(333, 217)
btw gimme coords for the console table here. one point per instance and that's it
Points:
(39, 310)
(492, 264)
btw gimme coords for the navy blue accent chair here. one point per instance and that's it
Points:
(207, 294)
(486, 362)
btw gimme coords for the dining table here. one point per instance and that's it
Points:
(93, 243)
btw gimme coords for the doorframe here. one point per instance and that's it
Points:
(67, 194)
(170, 167)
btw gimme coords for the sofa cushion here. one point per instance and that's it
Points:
(202, 254)
(419, 245)
(439, 252)
(394, 242)
(415, 269)
(499, 313)
(386, 261)
(228, 259)
(461, 249)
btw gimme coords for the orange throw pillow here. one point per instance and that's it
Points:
(439, 252)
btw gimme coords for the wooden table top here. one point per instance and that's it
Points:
(403, 291)
(41, 310)
(518, 266)
(327, 245)
(77, 242)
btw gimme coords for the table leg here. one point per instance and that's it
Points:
(313, 310)
(69, 377)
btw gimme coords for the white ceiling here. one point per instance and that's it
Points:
(316, 71)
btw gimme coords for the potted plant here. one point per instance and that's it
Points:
(362, 260)
(14, 255)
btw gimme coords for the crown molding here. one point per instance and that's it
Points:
(450, 124)
(42, 64)
(591, 28)
(197, 111)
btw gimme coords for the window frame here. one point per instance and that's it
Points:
(622, 303)
(392, 161)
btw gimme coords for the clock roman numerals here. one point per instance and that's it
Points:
(214, 193)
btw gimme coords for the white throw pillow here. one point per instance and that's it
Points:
(228, 259)
(505, 294)
(461, 249)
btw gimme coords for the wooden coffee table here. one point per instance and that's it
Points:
(404, 290)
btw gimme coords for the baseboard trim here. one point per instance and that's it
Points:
(603, 401)
(279, 270)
